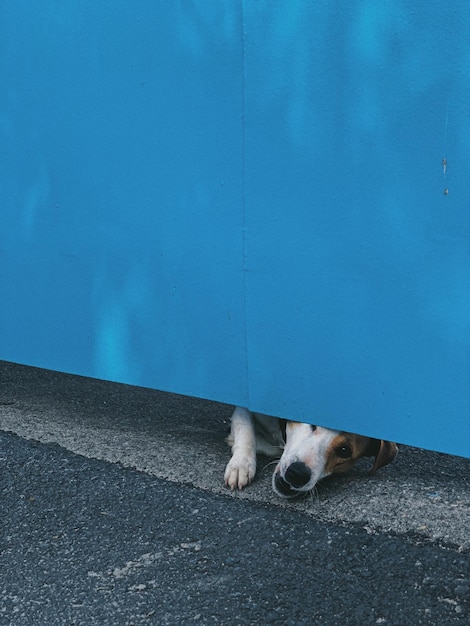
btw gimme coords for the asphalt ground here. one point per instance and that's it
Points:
(113, 511)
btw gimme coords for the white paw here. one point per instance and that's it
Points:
(240, 471)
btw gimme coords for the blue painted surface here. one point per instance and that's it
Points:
(121, 252)
(359, 282)
(245, 202)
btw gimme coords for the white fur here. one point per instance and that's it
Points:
(307, 452)
(251, 433)
(308, 446)
(249, 436)
(241, 468)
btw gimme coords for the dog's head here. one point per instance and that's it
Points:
(312, 453)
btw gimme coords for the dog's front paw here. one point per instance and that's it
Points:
(240, 471)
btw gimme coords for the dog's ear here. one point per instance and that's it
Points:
(384, 452)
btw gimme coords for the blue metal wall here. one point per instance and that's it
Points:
(121, 159)
(244, 201)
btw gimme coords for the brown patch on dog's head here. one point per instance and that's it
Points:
(347, 448)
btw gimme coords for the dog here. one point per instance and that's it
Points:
(309, 453)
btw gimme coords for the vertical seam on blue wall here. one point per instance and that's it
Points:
(244, 226)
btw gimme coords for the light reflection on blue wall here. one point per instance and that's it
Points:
(244, 201)
(353, 107)
(121, 160)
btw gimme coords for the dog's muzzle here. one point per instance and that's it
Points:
(297, 475)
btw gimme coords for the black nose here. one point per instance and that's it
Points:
(298, 474)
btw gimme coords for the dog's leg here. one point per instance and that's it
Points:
(241, 468)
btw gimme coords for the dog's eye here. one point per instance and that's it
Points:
(313, 427)
(344, 452)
